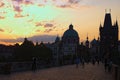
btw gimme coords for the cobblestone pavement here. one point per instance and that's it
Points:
(69, 72)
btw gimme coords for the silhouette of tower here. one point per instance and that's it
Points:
(57, 39)
(87, 42)
(108, 38)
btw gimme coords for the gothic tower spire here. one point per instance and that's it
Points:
(107, 21)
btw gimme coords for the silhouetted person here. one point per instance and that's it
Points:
(93, 61)
(106, 64)
(98, 60)
(109, 66)
(83, 62)
(34, 65)
(77, 62)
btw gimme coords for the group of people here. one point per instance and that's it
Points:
(82, 61)
(78, 61)
(108, 65)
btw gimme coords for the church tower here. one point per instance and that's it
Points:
(87, 42)
(108, 38)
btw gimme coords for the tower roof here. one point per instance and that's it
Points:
(107, 21)
(116, 23)
(57, 39)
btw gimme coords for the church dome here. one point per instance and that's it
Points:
(57, 39)
(70, 32)
(94, 41)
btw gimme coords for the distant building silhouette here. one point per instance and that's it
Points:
(70, 42)
(108, 37)
(94, 47)
(87, 43)
(27, 43)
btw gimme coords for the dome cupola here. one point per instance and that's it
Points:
(70, 35)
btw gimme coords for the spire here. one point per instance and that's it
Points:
(57, 39)
(116, 24)
(100, 25)
(98, 38)
(25, 39)
(37, 43)
(107, 21)
(87, 36)
(94, 37)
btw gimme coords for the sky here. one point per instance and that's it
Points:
(43, 20)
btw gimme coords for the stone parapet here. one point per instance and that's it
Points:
(116, 72)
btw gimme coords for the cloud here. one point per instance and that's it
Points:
(38, 24)
(45, 38)
(48, 25)
(12, 40)
(64, 6)
(1, 30)
(17, 9)
(2, 4)
(41, 5)
(28, 2)
(38, 38)
(2, 17)
(18, 15)
(38, 30)
(74, 1)
(18, 0)
(30, 20)
(48, 30)
(44, 24)
(65, 3)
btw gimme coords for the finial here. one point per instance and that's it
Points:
(94, 37)
(116, 23)
(87, 36)
(100, 23)
(98, 38)
(107, 11)
(116, 18)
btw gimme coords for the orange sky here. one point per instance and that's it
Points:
(43, 20)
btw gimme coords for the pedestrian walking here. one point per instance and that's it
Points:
(93, 61)
(34, 65)
(83, 62)
(105, 64)
(110, 66)
(98, 61)
(77, 62)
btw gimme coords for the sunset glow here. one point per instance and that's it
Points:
(45, 19)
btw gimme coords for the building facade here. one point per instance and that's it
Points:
(108, 38)
(70, 42)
